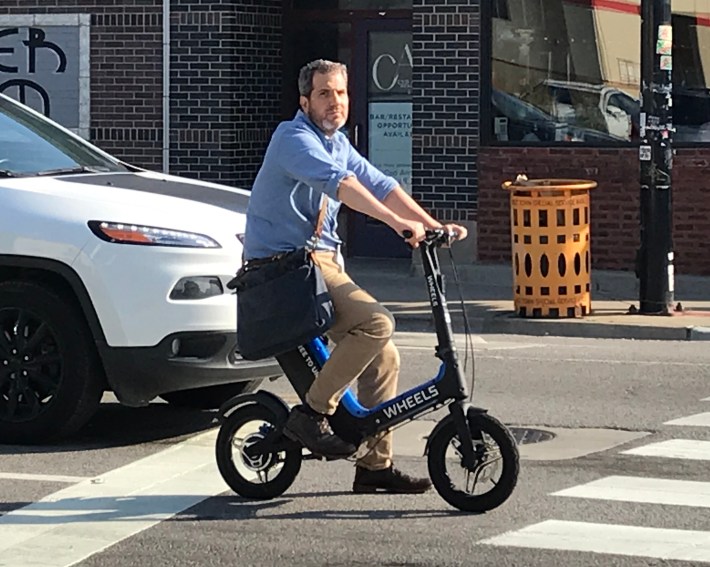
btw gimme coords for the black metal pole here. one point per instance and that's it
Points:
(655, 257)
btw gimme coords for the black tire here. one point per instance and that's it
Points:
(51, 379)
(439, 466)
(209, 397)
(231, 461)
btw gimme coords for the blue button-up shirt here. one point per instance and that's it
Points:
(300, 166)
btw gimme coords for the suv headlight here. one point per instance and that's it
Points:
(121, 233)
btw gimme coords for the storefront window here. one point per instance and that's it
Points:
(691, 70)
(569, 71)
(307, 41)
(389, 101)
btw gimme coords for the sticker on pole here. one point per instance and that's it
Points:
(665, 32)
(645, 153)
(664, 47)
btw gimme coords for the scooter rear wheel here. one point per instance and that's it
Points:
(493, 478)
(265, 476)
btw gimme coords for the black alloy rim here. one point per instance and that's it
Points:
(30, 365)
(262, 465)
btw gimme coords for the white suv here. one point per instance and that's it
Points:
(112, 278)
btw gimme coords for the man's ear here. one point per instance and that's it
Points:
(304, 103)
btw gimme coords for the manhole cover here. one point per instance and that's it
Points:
(528, 435)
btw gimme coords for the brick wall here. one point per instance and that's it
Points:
(445, 126)
(225, 81)
(615, 203)
(126, 66)
(691, 211)
(226, 87)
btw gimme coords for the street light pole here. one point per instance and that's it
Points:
(655, 257)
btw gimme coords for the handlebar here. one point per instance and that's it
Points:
(436, 237)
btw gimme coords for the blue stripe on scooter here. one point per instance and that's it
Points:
(350, 401)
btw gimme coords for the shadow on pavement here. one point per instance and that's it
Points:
(140, 507)
(115, 425)
(242, 509)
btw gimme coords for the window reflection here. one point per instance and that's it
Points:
(30, 144)
(569, 70)
(691, 70)
(352, 4)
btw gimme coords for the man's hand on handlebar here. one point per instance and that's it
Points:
(415, 232)
(445, 235)
(455, 231)
(412, 231)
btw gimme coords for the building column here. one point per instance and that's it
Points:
(445, 127)
(225, 87)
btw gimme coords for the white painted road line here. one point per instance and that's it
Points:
(646, 490)
(79, 521)
(674, 449)
(679, 545)
(606, 361)
(697, 420)
(418, 338)
(42, 477)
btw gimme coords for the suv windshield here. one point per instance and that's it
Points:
(31, 145)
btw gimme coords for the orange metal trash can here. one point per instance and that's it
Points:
(549, 222)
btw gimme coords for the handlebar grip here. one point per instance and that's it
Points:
(437, 235)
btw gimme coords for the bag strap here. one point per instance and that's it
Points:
(313, 240)
(321, 217)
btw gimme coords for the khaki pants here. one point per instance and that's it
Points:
(364, 350)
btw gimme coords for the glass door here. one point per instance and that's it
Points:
(381, 86)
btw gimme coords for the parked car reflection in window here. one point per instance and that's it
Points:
(516, 120)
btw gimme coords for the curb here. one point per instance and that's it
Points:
(699, 334)
(509, 324)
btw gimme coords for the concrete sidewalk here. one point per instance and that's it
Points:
(487, 295)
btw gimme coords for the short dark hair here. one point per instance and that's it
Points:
(305, 76)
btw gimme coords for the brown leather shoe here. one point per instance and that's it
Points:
(388, 480)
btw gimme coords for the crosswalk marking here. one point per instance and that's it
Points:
(674, 449)
(697, 420)
(42, 477)
(646, 490)
(633, 541)
(679, 545)
(72, 524)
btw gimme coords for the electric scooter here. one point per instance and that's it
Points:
(472, 457)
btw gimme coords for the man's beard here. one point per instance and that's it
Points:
(327, 125)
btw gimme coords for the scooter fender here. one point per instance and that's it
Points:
(271, 401)
(470, 412)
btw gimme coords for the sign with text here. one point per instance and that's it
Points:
(391, 62)
(44, 63)
(390, 133)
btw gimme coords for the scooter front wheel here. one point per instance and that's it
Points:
(262, 476)
(491, 480)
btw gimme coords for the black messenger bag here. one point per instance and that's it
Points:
(282, 301)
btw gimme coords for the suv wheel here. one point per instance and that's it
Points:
(50, 377)
(210, 397)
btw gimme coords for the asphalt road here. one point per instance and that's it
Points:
(140, 487)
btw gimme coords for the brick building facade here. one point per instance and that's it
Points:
(231, 69)
(446, 116)
(225, 87)
(614, 216)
